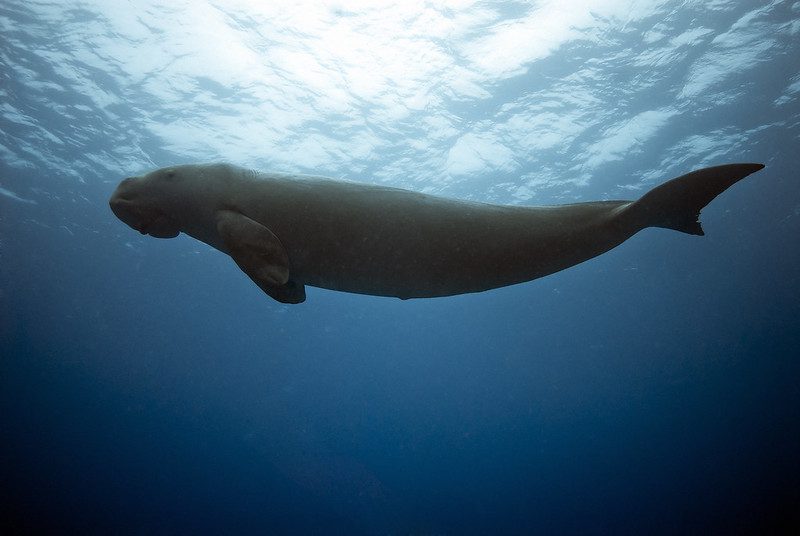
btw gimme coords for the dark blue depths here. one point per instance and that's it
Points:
(651, 389)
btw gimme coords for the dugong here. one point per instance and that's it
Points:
(287, 231)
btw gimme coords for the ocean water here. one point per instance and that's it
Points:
(148, 387)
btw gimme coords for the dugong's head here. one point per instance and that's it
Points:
(147, 203)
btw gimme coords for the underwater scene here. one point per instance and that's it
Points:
(495, 314)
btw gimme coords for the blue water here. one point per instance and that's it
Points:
(147, 386)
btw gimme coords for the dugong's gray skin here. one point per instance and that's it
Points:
(288, 231)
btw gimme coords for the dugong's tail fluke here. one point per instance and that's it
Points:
(676, 204)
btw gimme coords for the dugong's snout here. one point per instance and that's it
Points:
(123, 207)
(139, 214)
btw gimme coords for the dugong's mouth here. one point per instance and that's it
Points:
(161, 226)
(144, 226)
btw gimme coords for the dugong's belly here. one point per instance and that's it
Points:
(394, 256)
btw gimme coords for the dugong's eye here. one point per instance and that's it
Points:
(170, 173)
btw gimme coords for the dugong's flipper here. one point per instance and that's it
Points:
(260, 255)
(676, 204)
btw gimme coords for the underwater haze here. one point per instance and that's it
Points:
(148, 386)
